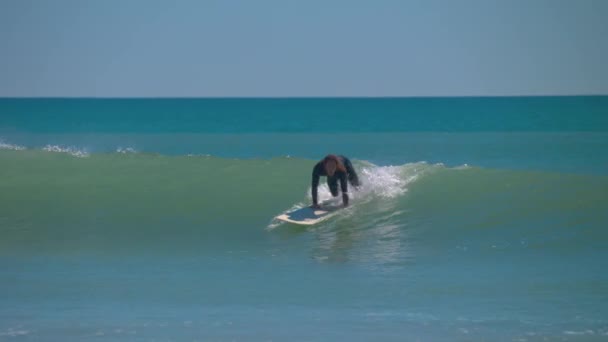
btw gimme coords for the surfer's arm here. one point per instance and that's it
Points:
(352, 175)
(344, 187)
(314, 186)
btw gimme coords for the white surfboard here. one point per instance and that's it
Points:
(309, 216)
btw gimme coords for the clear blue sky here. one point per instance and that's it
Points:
(118, 48)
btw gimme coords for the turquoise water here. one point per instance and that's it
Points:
(479, 219)
(306, 115)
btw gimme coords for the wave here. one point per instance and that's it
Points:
(7, 146)
(125, 150)
(69, 150)
(138, 199)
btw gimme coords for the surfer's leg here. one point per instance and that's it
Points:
(353, 179)
(332, 182)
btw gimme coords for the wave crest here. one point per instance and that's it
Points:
(69, 150)
(7, 146)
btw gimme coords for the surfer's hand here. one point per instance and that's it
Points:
(315, 206)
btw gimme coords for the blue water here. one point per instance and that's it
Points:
(152, 219)
(306, 115)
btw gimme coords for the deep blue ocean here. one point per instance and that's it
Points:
(479, 219)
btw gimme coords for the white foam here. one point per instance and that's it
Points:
(125, 150)
(585, 332)
(387, 181)
(14, 332)
(199, 155)
(6, 146)
(274, 224)
(69, 150)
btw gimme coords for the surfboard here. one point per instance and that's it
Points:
(309, 216)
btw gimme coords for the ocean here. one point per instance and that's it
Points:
(479, 219)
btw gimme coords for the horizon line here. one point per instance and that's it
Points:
(288, 97)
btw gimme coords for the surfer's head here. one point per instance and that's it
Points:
(331, 163)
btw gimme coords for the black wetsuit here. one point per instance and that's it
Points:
(350, 176)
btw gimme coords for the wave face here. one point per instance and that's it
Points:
(60, 202)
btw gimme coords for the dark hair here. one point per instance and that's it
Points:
(332, 157)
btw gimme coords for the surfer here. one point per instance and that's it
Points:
(335, 168)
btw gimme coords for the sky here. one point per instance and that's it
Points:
(284, 48)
